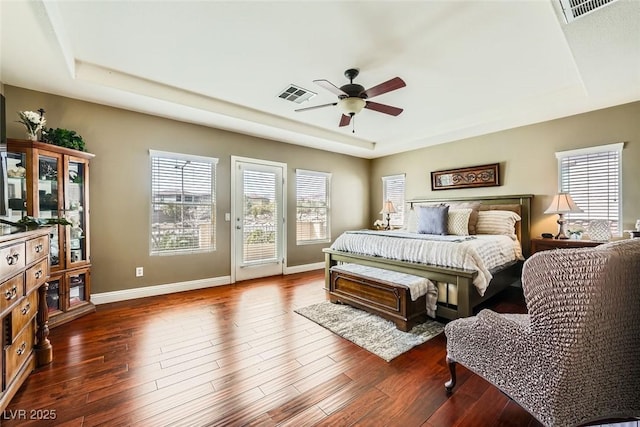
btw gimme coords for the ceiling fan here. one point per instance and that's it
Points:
(352, 97)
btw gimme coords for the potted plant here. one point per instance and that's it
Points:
(63, 138)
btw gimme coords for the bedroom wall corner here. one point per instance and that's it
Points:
(527, 161)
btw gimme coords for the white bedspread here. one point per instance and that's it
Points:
(480, 252)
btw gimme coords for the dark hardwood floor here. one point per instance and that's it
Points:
(239, 355)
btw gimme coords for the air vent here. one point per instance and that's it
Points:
(296, 94)
(574, 9)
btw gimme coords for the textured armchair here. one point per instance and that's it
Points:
(575, 357)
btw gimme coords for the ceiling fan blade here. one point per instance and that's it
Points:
(383, 108)
(330, 87)
(316, 106)
(388, 86)
(345, 120)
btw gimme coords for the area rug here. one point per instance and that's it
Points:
(371, 332)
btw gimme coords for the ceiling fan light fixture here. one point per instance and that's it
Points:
(351, 105)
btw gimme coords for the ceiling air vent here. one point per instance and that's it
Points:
(296, 94)
(574, 9)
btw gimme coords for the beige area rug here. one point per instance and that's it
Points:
(373, 333)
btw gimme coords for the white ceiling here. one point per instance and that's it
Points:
(471, 67)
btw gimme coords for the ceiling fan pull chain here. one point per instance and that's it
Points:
(353, 123)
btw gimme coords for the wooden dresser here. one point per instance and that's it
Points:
(24, 270)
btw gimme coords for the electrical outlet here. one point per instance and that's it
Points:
(139, 271)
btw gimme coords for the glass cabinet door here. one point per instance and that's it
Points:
(53, 295)
(78, 284)
(17, 185)
(75, 212)
(48, 201)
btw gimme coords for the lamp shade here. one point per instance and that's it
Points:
(562, 203)
(352, 105)
(388, 208)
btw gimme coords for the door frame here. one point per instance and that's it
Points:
(235, 161)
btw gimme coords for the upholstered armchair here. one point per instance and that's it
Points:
(575, 357)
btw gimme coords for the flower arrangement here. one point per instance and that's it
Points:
(33, 121)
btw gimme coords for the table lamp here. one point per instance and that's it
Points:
(561, 204)
(388, 209)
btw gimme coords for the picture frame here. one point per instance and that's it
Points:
(469, 177)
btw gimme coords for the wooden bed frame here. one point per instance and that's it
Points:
(366, 294)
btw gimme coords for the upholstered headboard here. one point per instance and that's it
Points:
(521, 204)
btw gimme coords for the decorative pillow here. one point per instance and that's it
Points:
(458, 221)
(433, 219)
(497, 222)
(411, 216)
(473, 218)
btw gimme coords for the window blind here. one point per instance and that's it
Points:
(312, 206)
(393, 189)
(260, 213)
(592, 176)
(182, 203)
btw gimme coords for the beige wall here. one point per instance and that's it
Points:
(120, 177)
(527, 161)
(120, 187)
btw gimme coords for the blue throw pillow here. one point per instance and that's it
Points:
(433, 219)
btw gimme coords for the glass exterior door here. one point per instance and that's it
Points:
(259, 219)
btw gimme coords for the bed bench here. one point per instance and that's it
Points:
(381, 292)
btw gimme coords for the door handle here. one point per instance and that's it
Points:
(238, 227)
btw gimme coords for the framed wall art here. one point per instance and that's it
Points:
(474, 176)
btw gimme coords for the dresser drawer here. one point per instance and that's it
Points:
(11, 291)
(11, 260)
(23, 313)
(37, 275)
(36, 249)
(17, 353)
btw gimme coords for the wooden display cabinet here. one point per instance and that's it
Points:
(47, 181)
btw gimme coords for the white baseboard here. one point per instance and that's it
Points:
(169, 288)
(303, 268)
(149, 291)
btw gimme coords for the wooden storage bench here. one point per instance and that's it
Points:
(384, 298)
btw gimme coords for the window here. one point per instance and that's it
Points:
(393, 189)
(592, 177)
(312, 207)
(182, 203)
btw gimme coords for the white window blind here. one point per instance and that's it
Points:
(312, 206)
(182, 203)
(260, 213)
(592, 176)
(393, 189)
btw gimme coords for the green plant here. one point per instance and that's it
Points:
(63, 138)
(31, 223)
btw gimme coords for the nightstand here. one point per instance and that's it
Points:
(539, 244)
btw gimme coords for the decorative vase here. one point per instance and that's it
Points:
(32, 136)
(599, 230)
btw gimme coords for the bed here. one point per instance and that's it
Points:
(458, 290)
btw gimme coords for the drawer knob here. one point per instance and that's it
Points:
(25, 309)
(38, 248)
(22, 348)
(11, 293)
(13, 259)
(38, 274)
